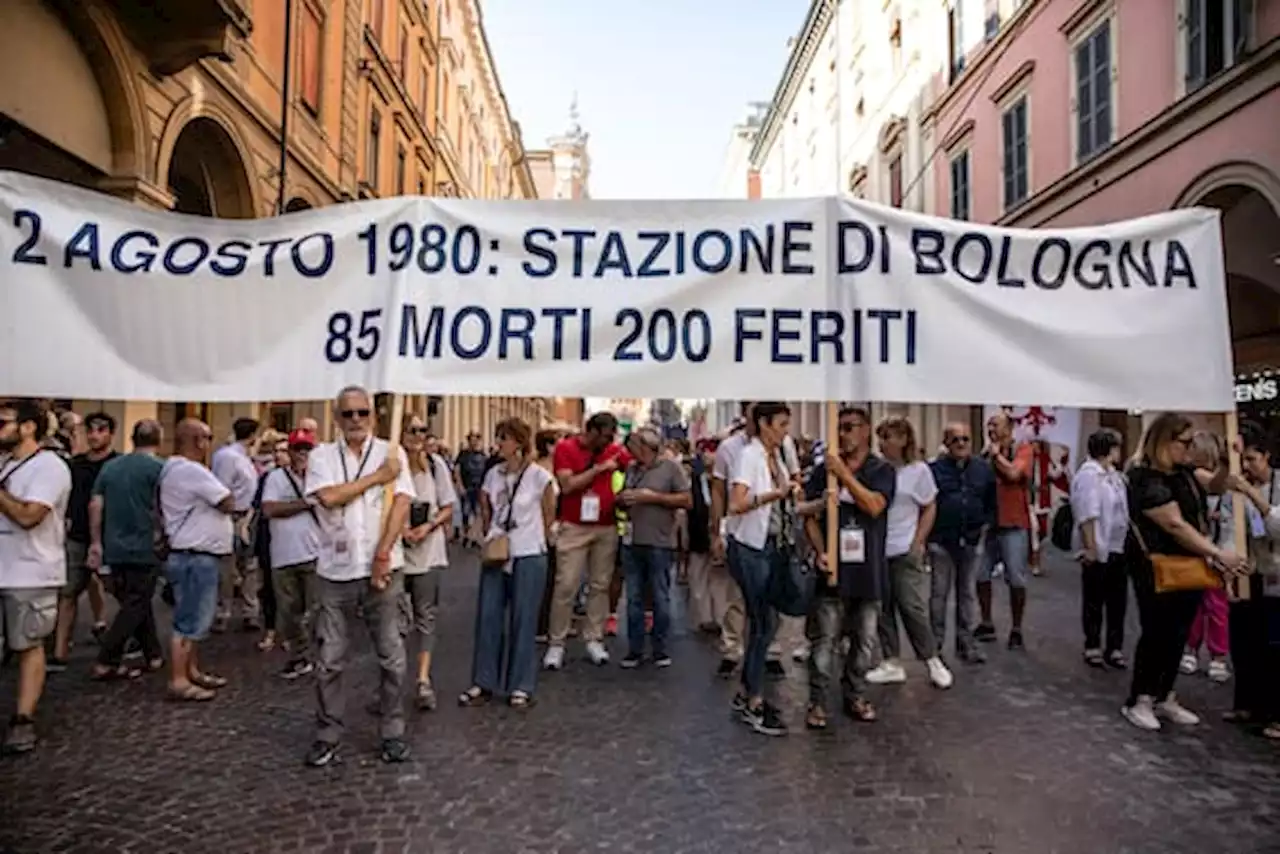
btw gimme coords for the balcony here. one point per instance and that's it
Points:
(174, 34)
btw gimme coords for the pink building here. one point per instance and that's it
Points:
(1080, 112)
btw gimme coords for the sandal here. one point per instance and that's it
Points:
(208, 680)
(1093, 658)
(1272, 732)
(123, 673)
(520, 700)
(192, 693)
(816, 719)
(860, 710)
(1116, 659)
(473, 697)
(155, 665)
(267, 643)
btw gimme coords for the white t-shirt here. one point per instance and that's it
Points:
(751, 469)
(349, 535)
(528, 534)
(1101, 495)
(916, 490)
(232, 465)
(727, 456)
(294, 539)
(436, 492)
(189, 499)
(35, 557)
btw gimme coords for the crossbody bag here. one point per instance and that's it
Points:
(1173, 573)
(497, 550)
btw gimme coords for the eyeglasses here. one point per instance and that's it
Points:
(417, 431)
(355, 413)
(958, 440)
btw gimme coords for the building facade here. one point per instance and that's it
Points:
(1076, 114)
(177, 105)
(562, 170)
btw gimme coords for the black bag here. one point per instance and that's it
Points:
(793, 585)
(1064, 523)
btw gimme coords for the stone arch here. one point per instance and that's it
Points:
(202, 134)
(1224, 176)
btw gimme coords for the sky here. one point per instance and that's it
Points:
(660, 83)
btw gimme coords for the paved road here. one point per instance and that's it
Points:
(1027, 754)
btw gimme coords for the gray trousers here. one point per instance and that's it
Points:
(954, 567)
(423, 590)
(386, 617)
(295, 595)
(907, 595)
(830, 620)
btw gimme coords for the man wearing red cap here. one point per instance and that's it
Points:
(295, 546)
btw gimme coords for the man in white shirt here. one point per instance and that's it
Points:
(295, 547)
(196, 510)
(233, 465)
(733, 625)
(35, 486)
(360, 567)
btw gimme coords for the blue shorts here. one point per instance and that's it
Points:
(193, 577)
(1011, 547)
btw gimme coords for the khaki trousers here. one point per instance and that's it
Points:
(589, 549)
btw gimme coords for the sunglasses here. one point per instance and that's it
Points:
(355, 413)
(208, 437)
(958, 440)
(417, 431)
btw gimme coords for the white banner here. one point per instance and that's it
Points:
(818, 299)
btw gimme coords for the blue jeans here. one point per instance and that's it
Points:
(507, 626)
(752, 569)
(649, 565)
(193, 577)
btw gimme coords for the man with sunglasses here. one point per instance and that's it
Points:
(35, 486)
(359, 567)
(99, 430)
(966, 510)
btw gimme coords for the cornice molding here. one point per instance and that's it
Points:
(815, 24)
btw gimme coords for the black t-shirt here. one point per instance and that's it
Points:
(1150, 488)
(84, 472)
(861, 580)
(471, 468)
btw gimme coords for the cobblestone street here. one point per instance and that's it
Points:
(1027, 754)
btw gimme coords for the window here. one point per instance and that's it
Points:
(377, 14)
(1015, 150)
(374, 145)
(310, 41)
(401, 169)
(960, 185)
(404, 53)
(1093, 92)
(424, 80)
(1217, 34)
(422, 187)
(895, 181)
(955, 40)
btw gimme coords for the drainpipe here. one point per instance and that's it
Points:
(439, 84)
(285, 86)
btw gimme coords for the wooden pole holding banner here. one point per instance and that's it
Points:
(393, 439)
(1237, 587)
(833, 506)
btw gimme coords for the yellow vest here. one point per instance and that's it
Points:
(617, 483)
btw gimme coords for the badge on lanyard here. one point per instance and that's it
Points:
(590, 507)
(853, 545)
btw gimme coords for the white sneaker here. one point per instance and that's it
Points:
(888, 672)
(1174, 712)
(554, 659)
(939, 675)
(800, 654)
(1141, 714)
(1189, 664)
(1218, 671)
(597, 653)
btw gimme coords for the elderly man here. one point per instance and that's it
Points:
(359, 568)
(654, 490)
(232, 464)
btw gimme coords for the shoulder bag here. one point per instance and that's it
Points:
(496, 551)
(1173, 573)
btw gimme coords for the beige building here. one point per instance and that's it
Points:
(177, 105)
(563, 169)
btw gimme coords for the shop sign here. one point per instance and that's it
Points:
(1257, 390)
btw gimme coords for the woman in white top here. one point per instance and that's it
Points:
(426, 552)
(1100, 509)
(761, 531)
(517, 506)
(907, 592)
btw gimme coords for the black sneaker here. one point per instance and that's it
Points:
(132, 649)
(726, 668)
(1015, 640)
(662, 661)
(296, 669)
(765, 720)
(55, 665)
(322, 753)
(631, 662)
(739, 703)
(775, 670)
(985, 633)
(395, 750)
(972, 655)
(21, 737)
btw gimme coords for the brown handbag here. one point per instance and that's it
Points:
(1173, 573)
(497, 551)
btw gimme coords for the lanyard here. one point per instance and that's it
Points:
(342, 458)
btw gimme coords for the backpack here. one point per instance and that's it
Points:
(1064, 523)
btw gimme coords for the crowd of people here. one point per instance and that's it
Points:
(305, 539)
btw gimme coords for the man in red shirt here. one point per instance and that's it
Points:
(1010, 541)
(588, 538)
